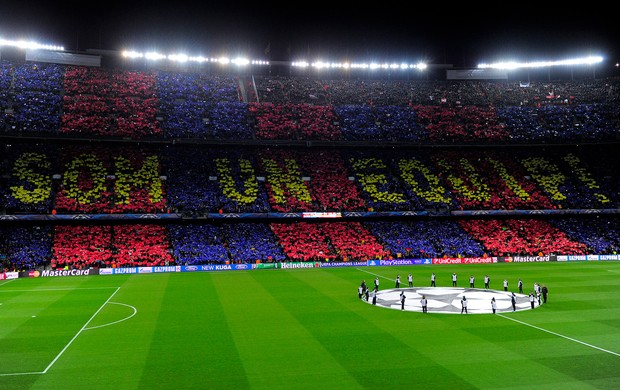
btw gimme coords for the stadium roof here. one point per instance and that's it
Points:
(386, 32)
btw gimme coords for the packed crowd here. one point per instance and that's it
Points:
(71, 178)
(194, 105)
(51, 99)
(30, 98)
(25, 247)
(385, 92)
(113, 246)
(193, 179)
(80, 246)
(116, 103)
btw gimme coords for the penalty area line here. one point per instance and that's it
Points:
(68, 344)
(80, 331)
(22, 373)
(84, 327)
(560, 335)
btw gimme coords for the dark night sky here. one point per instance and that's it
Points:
(310, 30)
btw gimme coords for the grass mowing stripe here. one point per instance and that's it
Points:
(59, 289)
(276, 349)
(371, 284)
(560, 335)
(35, 324)
(113, 357)
(598, 375)
(67, 345)
(192, 345)
(464, 354)
(316, 312)
(79, 332)
(378, 347)
(447, 346)
(510, 347)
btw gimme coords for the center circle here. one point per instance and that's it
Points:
(448, 300)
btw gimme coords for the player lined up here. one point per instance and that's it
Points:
(539, 292)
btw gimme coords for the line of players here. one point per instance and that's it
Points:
(538, 292)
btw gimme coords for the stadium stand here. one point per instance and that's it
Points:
(401, 160)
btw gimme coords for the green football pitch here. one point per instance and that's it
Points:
(307, 329)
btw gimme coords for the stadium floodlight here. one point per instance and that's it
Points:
(178, 57)
(591, 60)
(199, 59)
(154, 56)
(320, 64)
(132, 54)
(182, 58)
(21, 44)
(360, 66)
(240, 61)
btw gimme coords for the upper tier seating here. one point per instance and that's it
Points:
(88, 102)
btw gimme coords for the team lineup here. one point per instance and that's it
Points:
(453, 299)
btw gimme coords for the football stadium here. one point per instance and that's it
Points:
(171, 221)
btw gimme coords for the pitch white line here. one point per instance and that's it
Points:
(79, 332)
(23, 373)
(560, 335)
(70, 342)
(384, 277)
(60, 289)
(7, 282)
(116, 322)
